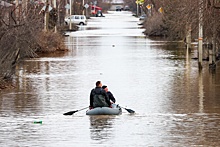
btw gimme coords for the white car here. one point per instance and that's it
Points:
(76, 19)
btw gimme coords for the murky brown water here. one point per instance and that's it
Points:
(175, 104)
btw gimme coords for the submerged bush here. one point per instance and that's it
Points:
(154, 26)
(50, 42)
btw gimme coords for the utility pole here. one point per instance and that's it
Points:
(188, 37)
(200, 33)
(46, 16)
(212, 51)
(67, 10)
(58, 13)
(55, 7)
(71, 9)
(83, 3)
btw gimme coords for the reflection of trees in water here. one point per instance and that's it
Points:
(101, 127)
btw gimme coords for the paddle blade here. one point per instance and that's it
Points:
(130, 111)
(70, 112)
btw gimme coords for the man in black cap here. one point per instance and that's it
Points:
(99, 97)
(110, 95)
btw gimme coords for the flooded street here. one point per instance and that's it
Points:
(175, 105)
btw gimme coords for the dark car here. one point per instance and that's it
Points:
(126, 8)
(118, 8)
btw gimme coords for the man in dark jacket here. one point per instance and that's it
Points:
(99, 97)
(110, 95)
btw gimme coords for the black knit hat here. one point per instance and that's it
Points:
(104, 86)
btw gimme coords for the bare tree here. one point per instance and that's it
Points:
(179, 14)
(21, 36)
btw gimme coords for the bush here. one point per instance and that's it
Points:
(154, 26)
(50, 42)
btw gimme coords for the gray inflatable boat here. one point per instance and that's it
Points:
(115, 110)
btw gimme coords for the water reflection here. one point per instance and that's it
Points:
(201, 93)
(200, 125)
(101, 127)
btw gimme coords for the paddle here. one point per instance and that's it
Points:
(71, 112)
(129, 110)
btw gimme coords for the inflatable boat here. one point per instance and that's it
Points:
(115, 110)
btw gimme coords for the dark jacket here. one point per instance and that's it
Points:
(98, 91)
(111, 97)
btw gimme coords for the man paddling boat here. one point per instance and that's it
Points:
(110, 95)
(99, 97)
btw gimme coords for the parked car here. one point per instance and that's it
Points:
(76, 19)
(143, 17)
(126, 8)
(118, 8)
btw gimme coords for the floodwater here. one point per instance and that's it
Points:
(175, 104)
